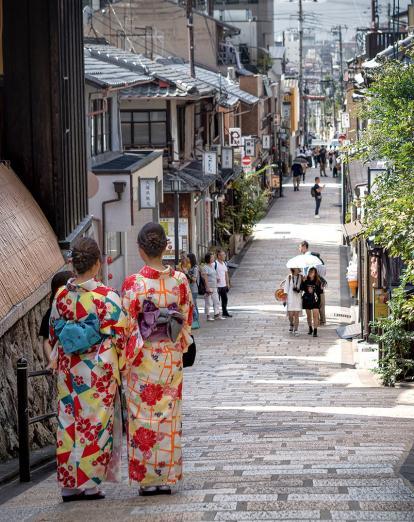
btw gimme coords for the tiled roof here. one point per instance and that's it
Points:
(152, 90)
(230, 89)
(192, 178)
(144, 66)
(111, 75)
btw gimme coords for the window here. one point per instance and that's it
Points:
(114, 244)
(101, 126)
(144, 128)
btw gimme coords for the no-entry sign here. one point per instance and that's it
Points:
(246, 161)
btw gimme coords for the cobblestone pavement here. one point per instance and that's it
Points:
(275, 427)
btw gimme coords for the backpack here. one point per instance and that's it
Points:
(313, 192)
(201, 285)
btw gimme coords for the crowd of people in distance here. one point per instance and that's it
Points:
(304, 289)
(314, 158)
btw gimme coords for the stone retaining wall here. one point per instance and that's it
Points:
(22, 340)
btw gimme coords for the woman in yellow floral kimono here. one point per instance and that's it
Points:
(89, 432)
(155, 365)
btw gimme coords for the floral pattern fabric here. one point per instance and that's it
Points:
(89, 434)
(154, 378)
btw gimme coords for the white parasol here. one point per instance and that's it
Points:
(304, 261)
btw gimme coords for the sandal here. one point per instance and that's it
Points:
(164, 490)
(83, 496)
(148, 491)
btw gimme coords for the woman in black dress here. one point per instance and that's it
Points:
(311, 299)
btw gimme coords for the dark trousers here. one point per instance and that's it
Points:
(222, 292)
(318, 202)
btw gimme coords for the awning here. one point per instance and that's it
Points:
(352, 229)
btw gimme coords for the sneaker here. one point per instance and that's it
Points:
(227, 315)
(317, 216)
(296, 333)
(290, 328)
(218, 316)
(210, 318)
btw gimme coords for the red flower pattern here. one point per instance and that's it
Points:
(144, 439)
(151, 394)
(137, 471)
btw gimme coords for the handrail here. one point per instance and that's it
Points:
(24, 420)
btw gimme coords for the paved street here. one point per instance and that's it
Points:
(275, 427)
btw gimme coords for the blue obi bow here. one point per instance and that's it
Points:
(78, 336)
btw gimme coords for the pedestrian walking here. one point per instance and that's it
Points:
(331, 159)
(293, 290)
(211, 298)
(60, 279)
(297, 172)
(87, 335)
(315, 154)
(223, 281)
(193, 277)
(159, 307)
(311, 287)
(337, 166)
(322, 162)
(309, 157)
(316, 192)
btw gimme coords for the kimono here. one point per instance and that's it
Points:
(89, 434)
(154, 378)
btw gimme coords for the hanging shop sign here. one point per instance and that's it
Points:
(210, 163)
(345, 120)
(147, 193)
(266, 141)
(227, 158)
(235, 136)
(250, 147)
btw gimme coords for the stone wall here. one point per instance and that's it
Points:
(22, 340)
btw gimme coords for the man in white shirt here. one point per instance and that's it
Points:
(223, 282)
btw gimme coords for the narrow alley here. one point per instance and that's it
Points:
(275, 427)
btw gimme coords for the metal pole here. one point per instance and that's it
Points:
(23, 421)
(176, 226)
(300, 69)
(190, 36)
(341, 57)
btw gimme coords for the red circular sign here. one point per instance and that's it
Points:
(246, 161)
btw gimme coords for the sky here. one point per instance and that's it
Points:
(327, 13)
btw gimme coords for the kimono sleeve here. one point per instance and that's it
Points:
(130, 306)
(114, 323)
(186, 308)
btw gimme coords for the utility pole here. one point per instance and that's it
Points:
(301, 70)
(190, 27)
(338, 30)
(374, 15)
(341, 58)
(210, 7)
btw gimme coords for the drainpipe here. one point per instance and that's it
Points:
(119, 187)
